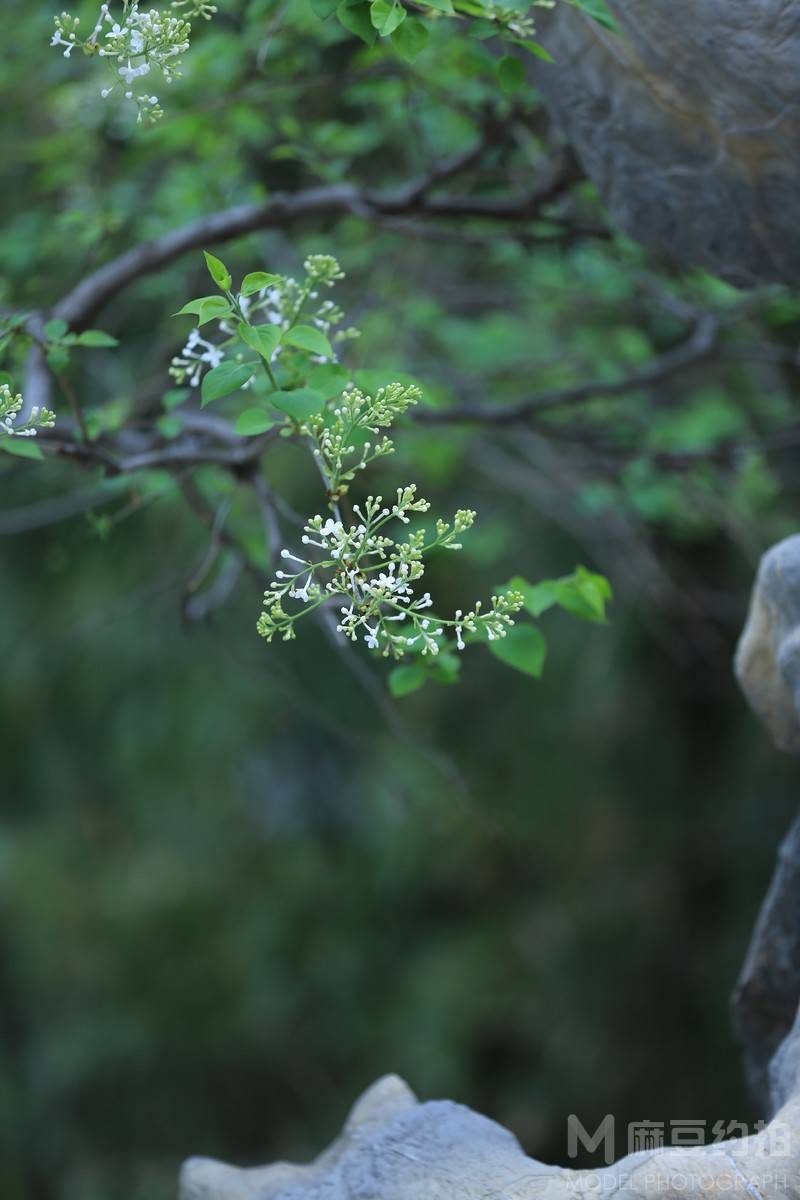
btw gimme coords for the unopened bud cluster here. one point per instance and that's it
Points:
(10, 409)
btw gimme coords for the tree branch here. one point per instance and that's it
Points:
(283, 209)
(698, 345)
(211, 439)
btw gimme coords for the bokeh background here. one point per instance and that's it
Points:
(238, 882)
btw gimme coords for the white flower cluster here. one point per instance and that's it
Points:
(282, 302)
(140, 41)
(375, 582)
(510, 18)
(10, 409)
(187, 367)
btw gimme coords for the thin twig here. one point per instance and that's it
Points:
(698, 345)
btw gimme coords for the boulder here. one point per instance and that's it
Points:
(687, 119)
(767, 661)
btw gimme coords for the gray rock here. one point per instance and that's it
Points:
(688, 122)
(784, 1070)
(767, 662)
(393, 1148)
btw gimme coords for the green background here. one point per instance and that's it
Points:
(236, 882)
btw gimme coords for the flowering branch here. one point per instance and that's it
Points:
(284, 209)
(375, 577)
(274, 343)
(143, 41)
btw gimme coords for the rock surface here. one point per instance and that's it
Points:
(767, 660)
(394, 1148)
(688, 122)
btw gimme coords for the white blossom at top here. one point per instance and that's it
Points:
(140, 41)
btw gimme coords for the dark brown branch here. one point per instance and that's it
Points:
(204, 442)
(698, 345)
(414, 199)
(48, 512)
(208, 438)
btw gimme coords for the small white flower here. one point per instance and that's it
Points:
(371, 637)
(301, 593)
(130, 73)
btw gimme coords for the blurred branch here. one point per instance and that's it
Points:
(214, 546)
(210, 439)
(698, 345)
(204, 441)
(42, 513)
(284, 209)
(200, 605)
(269, 515)
(219, 534)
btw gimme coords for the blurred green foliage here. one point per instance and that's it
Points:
(238, 883)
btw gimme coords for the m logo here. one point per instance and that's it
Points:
(577, 1137)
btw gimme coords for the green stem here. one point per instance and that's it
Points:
(233, 301)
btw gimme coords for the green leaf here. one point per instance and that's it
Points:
(483, 30)
(222, 380)
(386, 16)
(584, 594)
(253, 421)
(469, 9)
(328, 378)
(535, 48)
(538, 596)
(14, 322)
(598, 11)
(524, 648)
(257, 280)
(404, 680)
(206, 308)
(175, 396)
(355, 18)
(96, 338)
(410, 39)
(261, 338)
(169, 426)
(444, 6)
(324, 8)
(55, 329)
(445, 667)
(300, 404)
(57, 358)
(21, 447)
(510, 74)
(218, 271)
(305, 337)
